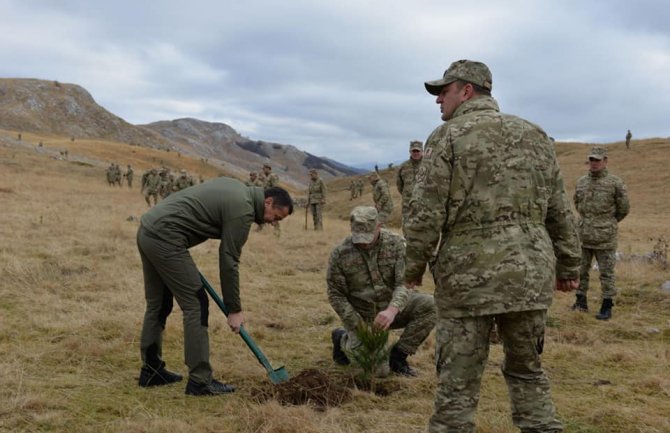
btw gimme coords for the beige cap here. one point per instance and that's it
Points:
(363, 224)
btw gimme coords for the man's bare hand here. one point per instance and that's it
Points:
(567, 285)
(235, 321)
(386, 317)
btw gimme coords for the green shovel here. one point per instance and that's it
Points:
(276, 375)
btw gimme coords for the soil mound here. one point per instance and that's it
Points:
(311, 387)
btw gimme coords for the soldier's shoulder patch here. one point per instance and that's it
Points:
(428, 153)
(421, 174)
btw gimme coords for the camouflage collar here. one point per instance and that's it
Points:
(478, 103)
(598, 174)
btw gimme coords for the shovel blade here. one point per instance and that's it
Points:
(278, 375)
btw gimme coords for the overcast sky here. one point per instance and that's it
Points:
(344, 78)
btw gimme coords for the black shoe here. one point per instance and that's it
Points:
(212, 388)
(581, 304)
(157, 376)
(605, 310)
(338, 354)
(399, 365)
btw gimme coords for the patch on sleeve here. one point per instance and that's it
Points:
(428, 153)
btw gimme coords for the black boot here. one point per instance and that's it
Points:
(581, 304)
(605, 310)
(212, 388)
(398, 363)
(338, 354)
(150, 376)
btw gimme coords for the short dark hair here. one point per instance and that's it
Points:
(280, 198)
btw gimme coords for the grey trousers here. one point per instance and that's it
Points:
(169, 272)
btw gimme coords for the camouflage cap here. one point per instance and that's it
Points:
(464, 70)
(363, 224)
(312, 170)
(267, 165)
(253, 174)
(415, 144)
(598, 153)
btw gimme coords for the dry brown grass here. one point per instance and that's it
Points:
(71, 306)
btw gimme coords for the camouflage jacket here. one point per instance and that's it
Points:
(361, 283)
(256, 182)
(153, 184)
(602, 201)
(183, 182)
(271, 180)
(317, 191)
(405, 181)
(382, 197)
(490, 185)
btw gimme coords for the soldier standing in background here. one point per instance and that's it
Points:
(406, 176)
(254, 180)
(365, 285)
(316, 198)
(110, 174)
(271, 180)
(602, 201)
(628, 138)
(382, 198)
(152, 186)
(183, 181)
(359, 185)
(490, 185)
(129, 176)
(353, 189)
(167, 182)
(117, 175)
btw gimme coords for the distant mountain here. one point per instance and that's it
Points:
(33, 105)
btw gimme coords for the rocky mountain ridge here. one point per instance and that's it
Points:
(34, 105)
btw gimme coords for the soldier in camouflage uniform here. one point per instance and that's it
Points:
(110, 175)
(167, 183)
(152, 186)
(629, 135)
(117, 175)
(602, 201)
(382, 198)
(183, 181)
(316, 198)
(221, 209)
(490, 189)
(254, 180)
(406, 175)
(365, 284)
(353, 189)
(271, 180)
(360, 185)
(129, 176)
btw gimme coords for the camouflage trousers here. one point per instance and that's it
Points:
(148, 195)
(606, 260)
(317, 215)
(416, 320)
(462, 348)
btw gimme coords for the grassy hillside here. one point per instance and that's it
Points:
(71, 307)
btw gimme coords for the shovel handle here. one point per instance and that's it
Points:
(243, 332)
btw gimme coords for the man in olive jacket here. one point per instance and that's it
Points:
(602, 201)
(223, 209)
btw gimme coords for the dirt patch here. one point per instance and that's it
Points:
(319, 389)
(6, 190)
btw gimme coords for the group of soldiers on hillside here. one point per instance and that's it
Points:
(115, 176)
(162, 182)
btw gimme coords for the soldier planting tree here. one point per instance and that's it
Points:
(365, 285)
